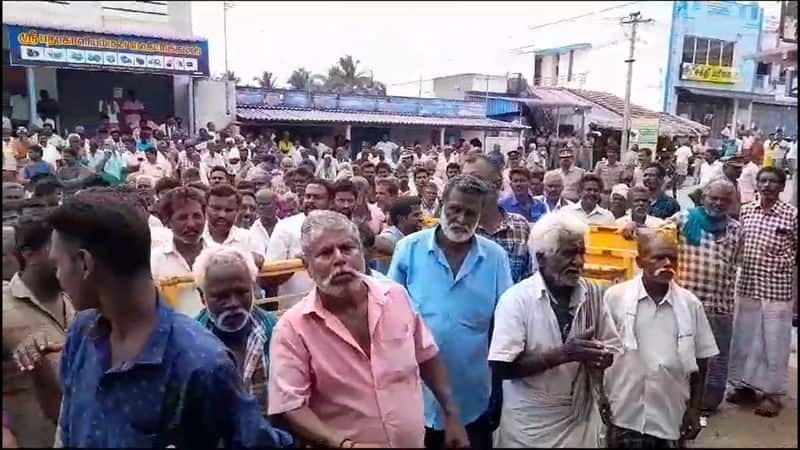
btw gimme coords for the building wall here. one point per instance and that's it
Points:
(210, 103)
(172, 20)
(412, 89)
(455, 87)
(602, 67)
(730, 21)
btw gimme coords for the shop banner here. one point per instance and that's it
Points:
(645, 133)
(32, 47)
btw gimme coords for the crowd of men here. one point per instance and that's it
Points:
(443, 301)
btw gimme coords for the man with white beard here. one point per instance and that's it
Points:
(454, 279)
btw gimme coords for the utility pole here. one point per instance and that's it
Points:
(634, 19)
(225, 7)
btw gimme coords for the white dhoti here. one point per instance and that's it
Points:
(761, 344)
(545, 420)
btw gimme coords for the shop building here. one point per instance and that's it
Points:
(711, 77)
(364, 119)
(87, 55)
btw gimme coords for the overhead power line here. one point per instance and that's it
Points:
(569, 19)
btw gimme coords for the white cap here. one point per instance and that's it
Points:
(620, 189)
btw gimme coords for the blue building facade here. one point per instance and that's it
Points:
(709, 77)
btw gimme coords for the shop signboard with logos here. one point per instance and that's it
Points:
(644, 133)
(708, 73)
(45, 47)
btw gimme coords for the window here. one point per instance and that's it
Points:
(727, 54)
(762, 69)
(701, 51)
(713, 52)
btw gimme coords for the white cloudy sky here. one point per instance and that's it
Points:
(401, 41)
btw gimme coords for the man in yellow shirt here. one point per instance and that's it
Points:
(285, 145)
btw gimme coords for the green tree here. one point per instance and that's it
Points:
(228, 76)
(346, 76)
(265, 81)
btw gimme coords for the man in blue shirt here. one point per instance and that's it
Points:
(520, 201)
(454, 279)
(133, 372)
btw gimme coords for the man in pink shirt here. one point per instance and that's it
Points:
(348, 361)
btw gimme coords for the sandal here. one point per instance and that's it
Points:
(769, 407)
(741, 396)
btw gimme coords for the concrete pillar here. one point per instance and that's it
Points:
(190, 99)
(348, 131)
(441, 136)
(735, 116)
(750, 114)
(30, 77)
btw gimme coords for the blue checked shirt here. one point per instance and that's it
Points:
(512, 236)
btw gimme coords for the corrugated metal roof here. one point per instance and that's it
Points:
(294, 115)
(548, 98)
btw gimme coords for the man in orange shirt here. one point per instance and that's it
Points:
(348, 361)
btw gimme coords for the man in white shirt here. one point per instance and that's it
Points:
(655, 387)
(284, 243)
(588, 207)
(388, 149)
(223, 206)
(211, 157)
(553, 186)
(553, 337)
(266, 203)
(639, 198)
(682, 156)
(20, 109)
(184, 210)
(710, 168)
(747, 180)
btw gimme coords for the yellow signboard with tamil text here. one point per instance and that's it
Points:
(708, 73)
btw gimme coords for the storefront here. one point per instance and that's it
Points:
(90, 74)
(366, 119)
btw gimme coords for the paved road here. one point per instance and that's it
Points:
(737, 427)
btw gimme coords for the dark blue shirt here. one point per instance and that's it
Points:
(512, 205)
(183, 390)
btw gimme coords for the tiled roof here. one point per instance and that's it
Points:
(306, 115)
(670, 124)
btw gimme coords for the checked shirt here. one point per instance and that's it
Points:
(708, 270)
(770, 248)
(512, 236)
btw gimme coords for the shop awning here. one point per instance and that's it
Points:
(741, 95)
(344, 117)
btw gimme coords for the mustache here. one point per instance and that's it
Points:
(664, 270)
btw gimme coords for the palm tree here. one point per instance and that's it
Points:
(300, 79)
(346, 76)
(229, 76)
(265, 81)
